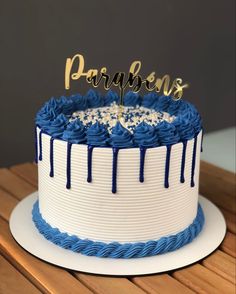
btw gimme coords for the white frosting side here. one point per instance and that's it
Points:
(137, 212)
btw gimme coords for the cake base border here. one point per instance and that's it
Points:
(26, 235)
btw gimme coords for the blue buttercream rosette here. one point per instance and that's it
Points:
(97, 135)
(80, 102)
(145, 135)
(184, 127)
(132, 99)
(57, 126)
(75, 132)
(167, 133)
(111, 97)
(150, 100)
(163, 103)
(94, 99)
(121, 137)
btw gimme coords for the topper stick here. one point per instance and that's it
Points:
(121, 104)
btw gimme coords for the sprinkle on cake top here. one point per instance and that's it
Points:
(131, 116)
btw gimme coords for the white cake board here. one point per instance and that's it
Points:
(26, 234)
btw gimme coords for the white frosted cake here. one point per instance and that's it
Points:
(118, 186)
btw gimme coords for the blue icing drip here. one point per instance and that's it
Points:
(121, 137)
(167, 166)
(36, 144)
(193, 162)
(142, 161)
(111, 97)
(163, 103)
(167, 133)
(75, 132)
(202, 140)
(51, 174)
(182, 179)
(150, 100)
(40, 145)
(114, 169)
(94, 99)
(97, 135)
(80, 102)
(184, 127)
(68, 166)
(89, 163)
(132, 99)
(145, 135)
(57, 126)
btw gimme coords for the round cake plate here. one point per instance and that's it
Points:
(26, 234)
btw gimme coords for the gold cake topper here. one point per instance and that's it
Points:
(133, 80)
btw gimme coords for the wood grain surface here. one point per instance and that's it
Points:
(20, 272)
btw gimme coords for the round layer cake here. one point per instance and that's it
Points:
(119, 184)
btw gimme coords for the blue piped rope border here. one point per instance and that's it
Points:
(116, 249)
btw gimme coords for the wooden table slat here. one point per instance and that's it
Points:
(11, 281)
(161, 283)
(26, 171)
(8, 202)
(202, 280)
(229, 244)
(230, 220)
(224, 178)
(222, 264)
(14, 184)
(45, 276)
(218, 185)
(105, 284)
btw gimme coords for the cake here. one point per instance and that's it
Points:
(118, 182)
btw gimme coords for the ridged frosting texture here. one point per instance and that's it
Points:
(116, 249)
(56, 112)
(138, 212)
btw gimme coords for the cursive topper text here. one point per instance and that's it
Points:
(133, 80)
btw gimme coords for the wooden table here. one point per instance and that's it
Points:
(20, 272)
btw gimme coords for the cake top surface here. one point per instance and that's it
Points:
(93, 119)
(130, 116)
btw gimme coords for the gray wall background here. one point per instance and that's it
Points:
(185, 38)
